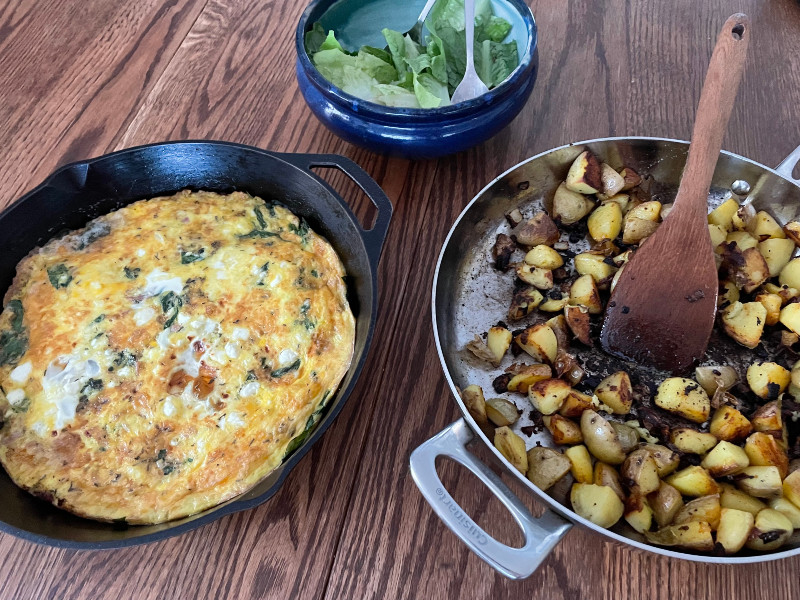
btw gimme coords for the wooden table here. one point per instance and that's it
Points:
(79, 79)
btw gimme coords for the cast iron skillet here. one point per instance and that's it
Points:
(79, 192)
(469, 296)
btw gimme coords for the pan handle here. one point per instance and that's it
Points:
(541, 535)
(787, 166)
(375, 237)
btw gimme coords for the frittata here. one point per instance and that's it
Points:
(168, 356)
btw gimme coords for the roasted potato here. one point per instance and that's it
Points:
(580, 463)
(764, 450)
(768, 418)
(728, 294)
(628, 436)
(498, 339)
(584, 175)
(666, 503)
(717, 235)
(773, 303)
(729, 424)
(575, 403)
(746, 268)
(548, 395)
(691, 441)
(694, 535)
(786, 293)
(777, 253)
(579, 322)
(725, 459)
(612, 181)
(583, 292)
(544, 257)
(740, 240)
(763, 227)
(638, 513)
(693, 481)
(713, 377)
(564, 431)
(554, 304)
(596, 503)
(512, 447)
(601, 438)
(635, 229)
(734, 498)
(722, 216)
(539, 278)
(745, 322)
(790, 316)
(734, 529)
(704, 508)
(594, 265)
(502, 251)
(640, 473)
(787, 509)
(771, 531)
(501, 412)
(684, 397)
(539, 229)
(473, 398)
(790, 274)
(622, 200)
(514, 217)
(526, 375)
(570, 207)
(616, 392)
(540, 342)
(767, 379)
(761, 482)
(524, 301)
(605, 222)
(792, 230)
(607, 475)
(791, 488)
(666, 460)
(546, 466)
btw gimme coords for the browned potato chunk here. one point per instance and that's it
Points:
(578, 321)
(694, 535)
(763, 450)
(580, 463)
(512, 447)
(763, 227)
(792, 230)
(787, 509)
(777, 253)
(790, 316)
(526, 376)
(740, 240)
(691, 441)
(773, 303)
(705, 508)
(607, 475)
(584, 292)
(616, 392)
(594, 265)
(605, 222)
(574, 404)
(666, 460)
(636, 229)
(768, 418)
(761, 482)
(717, 234)
(613, 182)
(729, 424)
(540, 342)
(538, 278)
(693, 481)
(745, 322)
(790, 274)
(584, 175)
(631, 178)
(684, 397)
(628, 436)
(771, 531)
(596, 503)
(638, 513)
(739, 500)
(666, 503)
(554, 304)
(791, 488)
(473, 398)
(538, 230)
(563, 430)
(728, 294)
(725, 459)
(640, 472)
(524, 301)
(786, 293)
(601, 438)
(747, 268)
(734, 529)
(544, 257)
(498, 340)
(570, 207)
(548, 395)
(722, 216)
(501, 412)
(546, 466)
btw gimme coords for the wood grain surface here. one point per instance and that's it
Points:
(82, 79)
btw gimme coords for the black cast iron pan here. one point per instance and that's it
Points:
(79, 192)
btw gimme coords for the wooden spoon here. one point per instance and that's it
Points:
(662, 309)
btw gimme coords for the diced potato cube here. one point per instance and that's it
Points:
(546, 466)
(734, 529)
(763, 450)
(584, 175)
(613, 182)
(747, 268)
(639, 469)
(631, 178)
(580, 464)
(584, 292)
(605, 222)
(575, 403)
(570, 207)
(649, 211)
(693, 481)
(718, 235)
(498, 340)
(742, 239)
(501, 412)
(768, 380)
(725, 459)
(538, 278)
(790, 274)
(761, 482)
(728, 294)
(722, 216)
(732, 497)
(771, 531)
(540, 229)
(512, 447)
(666, 460)
(544, 257)
(787, 509)
(691, 441)
(607, 475)
(473, 398)
(540, 342)
(745, 322)
(527, 376)
(563, 430)
(596, 503)
(790, 316)
(616, 392)
(548, 395)
(601, 438)
(791, 488)
(635, 230)
(638, 513)
(786, 293)
(594, 265)
(554, 304)
(767, 418)
(763, 227)
(524, 302)
(729, 424)
(694, 535)
(666, 503)
(777, 253)
(578, 320)
(773, 303)
(792, 230)
(684, 397)
(705, 508)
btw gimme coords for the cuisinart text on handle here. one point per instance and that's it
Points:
(462, 518)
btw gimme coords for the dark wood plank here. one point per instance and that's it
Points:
(72, 76)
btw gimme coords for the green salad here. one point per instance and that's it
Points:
(408, 74)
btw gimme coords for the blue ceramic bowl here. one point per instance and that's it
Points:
(415, 132)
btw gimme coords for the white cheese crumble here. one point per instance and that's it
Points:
(140, 252)
(287, 357)
(249, 389)
(240, 333)
(159, 282)
(62, 383)
(143, 314)
(232, 350)
(15, 396)
(22, 373)
(169, 407)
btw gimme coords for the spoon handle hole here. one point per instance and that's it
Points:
(738, 31)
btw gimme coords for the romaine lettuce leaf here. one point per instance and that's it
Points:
(494, 62)
(430, 92)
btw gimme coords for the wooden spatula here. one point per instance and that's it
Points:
(662, 309)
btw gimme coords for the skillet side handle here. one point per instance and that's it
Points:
(375, 237)
(786, 168)
(541, 535)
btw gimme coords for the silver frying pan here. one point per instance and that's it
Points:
(469, 296)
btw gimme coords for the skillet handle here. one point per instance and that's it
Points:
(787, 166)
(375, 237)
(541, 535)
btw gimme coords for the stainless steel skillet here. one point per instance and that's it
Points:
(469, 296)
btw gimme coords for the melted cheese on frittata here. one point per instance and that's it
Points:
(162, 360)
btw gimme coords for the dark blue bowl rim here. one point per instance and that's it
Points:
(462, 109)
